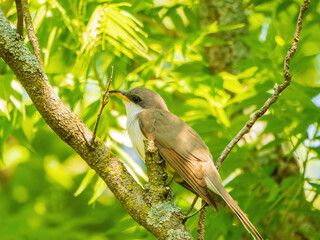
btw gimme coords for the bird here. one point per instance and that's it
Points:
(187, 158)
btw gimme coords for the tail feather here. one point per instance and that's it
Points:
(217, 187)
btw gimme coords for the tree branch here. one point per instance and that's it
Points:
(158, 195)
(202, 219)
(157, 176)
(273, 98)
(66, 125)
(31, 35)
(20, 17)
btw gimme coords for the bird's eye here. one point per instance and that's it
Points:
(136, 99)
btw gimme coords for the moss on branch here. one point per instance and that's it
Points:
(137, 202)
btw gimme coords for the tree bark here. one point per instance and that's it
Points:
(158, 216)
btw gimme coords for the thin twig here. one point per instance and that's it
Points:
(20, 17)
(202, 219)
(105, 100)
(31, 35)
(192, 205)
(204, 205)
(172, 179)
(277, 90)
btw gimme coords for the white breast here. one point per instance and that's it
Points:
(133, 127)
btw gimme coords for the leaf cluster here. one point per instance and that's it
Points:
(273, 172)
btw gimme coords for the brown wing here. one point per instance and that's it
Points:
(181, 147)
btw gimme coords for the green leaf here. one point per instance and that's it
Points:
(315, 186)
(85, 182)
(231, 82)
(99, 187)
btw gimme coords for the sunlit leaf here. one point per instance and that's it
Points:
(99, 187)
(85, 182)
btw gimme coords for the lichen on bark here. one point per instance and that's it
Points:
(75, 133)
(161, 212)
(10, 38)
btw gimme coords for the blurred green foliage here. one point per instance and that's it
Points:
(274, 171)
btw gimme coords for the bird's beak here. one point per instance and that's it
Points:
(120, 94)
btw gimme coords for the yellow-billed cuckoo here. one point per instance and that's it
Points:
(184, 152)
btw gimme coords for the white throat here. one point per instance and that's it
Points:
(133, 127)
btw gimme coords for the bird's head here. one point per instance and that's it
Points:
(143, 98)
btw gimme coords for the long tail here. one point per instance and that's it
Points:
(215, 186)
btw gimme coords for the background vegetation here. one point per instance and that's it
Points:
(214, 63)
